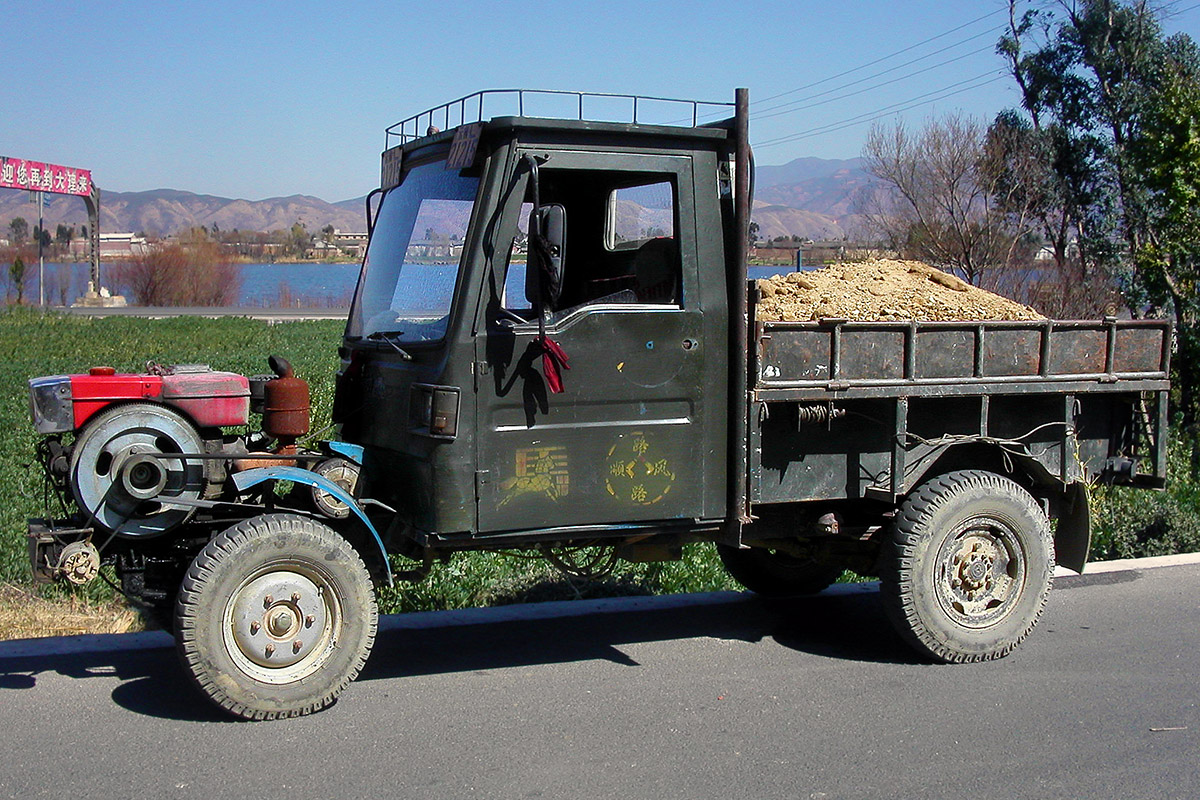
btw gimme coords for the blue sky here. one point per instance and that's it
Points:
(254, 100)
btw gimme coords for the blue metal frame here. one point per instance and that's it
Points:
(353, 452)
(253, 477)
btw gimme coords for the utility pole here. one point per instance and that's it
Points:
(40, 198)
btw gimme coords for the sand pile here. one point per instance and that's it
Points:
(881, 290)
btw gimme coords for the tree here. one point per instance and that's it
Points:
(195, 271)
(18, 231)
(940, 200)
(1050, 271)
(1166, 159)
(64, 234)
(299, 239)
(1110, 99)
(16, 274)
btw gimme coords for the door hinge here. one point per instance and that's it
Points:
(479, 368)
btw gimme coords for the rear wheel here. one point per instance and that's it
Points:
(275, 617)
(774, 573)
(969, 568)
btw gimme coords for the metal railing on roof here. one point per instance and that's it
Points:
(549, 103)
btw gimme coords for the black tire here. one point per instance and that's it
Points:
(275, 617)
(773, 573)
(969, 568)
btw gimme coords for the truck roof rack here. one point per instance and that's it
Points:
(555, 104)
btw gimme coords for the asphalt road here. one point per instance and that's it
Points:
(153, 312)
(710, 696)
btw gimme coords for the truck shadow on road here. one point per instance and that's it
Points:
(839, 626)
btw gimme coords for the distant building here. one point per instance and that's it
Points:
(120, 246)
(352, 244)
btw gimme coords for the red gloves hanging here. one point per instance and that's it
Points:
(553, 358)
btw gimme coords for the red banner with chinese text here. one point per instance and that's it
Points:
(17, 173)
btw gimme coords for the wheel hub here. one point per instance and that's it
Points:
(980, 574)
(975, 563)
(140, 475)
(280, 620)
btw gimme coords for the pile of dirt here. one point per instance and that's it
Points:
(881, 290)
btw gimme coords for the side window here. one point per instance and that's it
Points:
(640, 224)
(620, 243)
(638, 214)
(514, 298)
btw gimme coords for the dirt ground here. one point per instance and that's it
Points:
(24, 615)
(881, 290)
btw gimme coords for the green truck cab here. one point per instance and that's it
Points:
(443, 379)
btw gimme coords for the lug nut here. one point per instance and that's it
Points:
(295, 597)
(254, 626)
(296, 645)
(268, 601)
(309, 620)
(270, 649)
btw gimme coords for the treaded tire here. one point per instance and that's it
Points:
(275, 617)
(969, 568)
(772, 573)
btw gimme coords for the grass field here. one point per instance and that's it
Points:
(33, 344)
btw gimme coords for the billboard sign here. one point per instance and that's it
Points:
(17, 173)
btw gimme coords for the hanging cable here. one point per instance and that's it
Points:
(794, 109)
(882, 58)
(906, 105)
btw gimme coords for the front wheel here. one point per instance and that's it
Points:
(275, 617)
(969, 568)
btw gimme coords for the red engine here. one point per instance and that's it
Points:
(148, 450)
(211, 399)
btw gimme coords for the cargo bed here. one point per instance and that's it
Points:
(818, 360)
(865, 410)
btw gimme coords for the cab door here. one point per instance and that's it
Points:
(622, 442)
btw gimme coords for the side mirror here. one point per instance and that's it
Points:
(544, 268)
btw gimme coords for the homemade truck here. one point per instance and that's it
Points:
(553, 348)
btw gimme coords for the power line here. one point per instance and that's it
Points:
(870, 88)
(789, 104)
(881, 73)
(881, 59)
(1183, 10)
(970, 84)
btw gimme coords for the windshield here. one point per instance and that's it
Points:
(412, 263)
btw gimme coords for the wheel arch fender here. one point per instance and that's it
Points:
(1068, 502)
(1073, 536)
(253, 477)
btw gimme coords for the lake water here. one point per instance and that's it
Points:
(267, 285)
(264, 285)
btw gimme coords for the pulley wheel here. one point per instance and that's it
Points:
(119, 478)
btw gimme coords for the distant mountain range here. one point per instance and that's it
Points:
(166, 211)
(814, 198)
(810, 197)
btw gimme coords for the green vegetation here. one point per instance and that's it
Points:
(46, 344)
(1133, 523)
